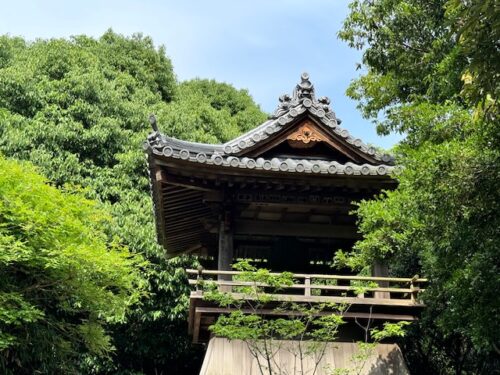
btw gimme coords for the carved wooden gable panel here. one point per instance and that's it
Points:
(306, 136)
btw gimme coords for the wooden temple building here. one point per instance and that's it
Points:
(280, 194)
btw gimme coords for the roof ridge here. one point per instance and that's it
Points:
(303, 99)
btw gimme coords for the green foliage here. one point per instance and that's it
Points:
(302, 329)
(422, 52)
(477, 28)
(432, 73)
(457, 204)
(77, 108)
(389, 330)
(301, 326)
(317, 292)
(409, 51)
(198, 115)
(361, 287)
(366, 349)
(62, 278)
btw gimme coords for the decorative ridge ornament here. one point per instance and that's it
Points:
(304, 89)
(304, 95)
(154, 138)
(152, 121)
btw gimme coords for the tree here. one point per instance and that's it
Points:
(304, 335)
(78, 110)
(210, 112)
(431, 74)
(63, 279)
(293, 337)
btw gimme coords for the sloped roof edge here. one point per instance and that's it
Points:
(303, 101)
(275, 164)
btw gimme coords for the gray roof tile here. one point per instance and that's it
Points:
(302, 100)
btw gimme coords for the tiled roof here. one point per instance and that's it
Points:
(302, 102)
(212, 155)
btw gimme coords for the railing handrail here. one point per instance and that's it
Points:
(414, 279)
(311, 286)
(401, 295)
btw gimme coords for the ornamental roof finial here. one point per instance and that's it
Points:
(304, 99)
(305, 88)
(152, 121)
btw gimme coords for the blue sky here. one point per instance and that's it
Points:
(259, 45)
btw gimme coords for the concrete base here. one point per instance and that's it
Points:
(224, 357)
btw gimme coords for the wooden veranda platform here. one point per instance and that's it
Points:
(393, 299)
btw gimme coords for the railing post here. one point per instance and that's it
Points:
(380, 269)
(199, 279)
(414, 289)
(307, 286)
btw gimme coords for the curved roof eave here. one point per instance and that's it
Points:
(275, 164)
(302, 102)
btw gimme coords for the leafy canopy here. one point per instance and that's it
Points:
(77, 108)
(431, 73)
(62, 277)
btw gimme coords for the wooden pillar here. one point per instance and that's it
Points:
(380, 269)
(225, 258)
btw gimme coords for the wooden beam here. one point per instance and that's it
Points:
(348, 315)
(181, 205)
(182, 225)
(166, 178)
(170, 200)
(319, 276)
(195, 210)
(184, 234)
(178, 197)
(295, 229)
(175, 189)
(160, 175)
(192, 306)
(307, 287)
(331, 299)
(194, 219)
(325, 206)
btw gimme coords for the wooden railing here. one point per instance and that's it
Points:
(323, 288)
(377, 298)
